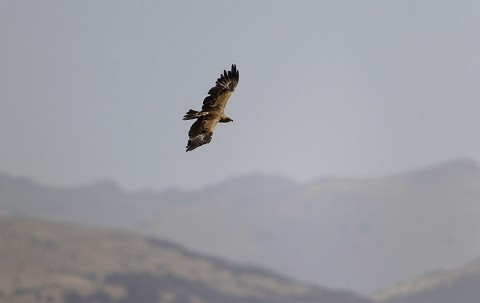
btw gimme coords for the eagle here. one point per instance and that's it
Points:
(201, 131)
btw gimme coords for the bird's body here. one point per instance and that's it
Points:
(212, 111)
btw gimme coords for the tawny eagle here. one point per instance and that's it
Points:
(201, 131)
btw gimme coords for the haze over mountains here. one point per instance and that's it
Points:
(363, 234)
(56, 263)
(459, 285)
(59, 263)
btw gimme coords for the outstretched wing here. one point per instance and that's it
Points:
(201, 132)
(223, 89)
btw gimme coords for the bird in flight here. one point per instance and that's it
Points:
(201, 131)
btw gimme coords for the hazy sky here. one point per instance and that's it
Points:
(97, 89)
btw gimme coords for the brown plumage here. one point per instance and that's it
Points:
(201, 131)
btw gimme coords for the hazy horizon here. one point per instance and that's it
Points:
(241, 176)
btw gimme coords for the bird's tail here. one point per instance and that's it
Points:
(193, 114)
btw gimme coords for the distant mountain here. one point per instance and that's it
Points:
(46, 262)
(460, 285)
(352, 233)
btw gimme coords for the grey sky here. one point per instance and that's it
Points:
(97, 89)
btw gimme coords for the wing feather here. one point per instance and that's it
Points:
(201, 132)
(223, 89)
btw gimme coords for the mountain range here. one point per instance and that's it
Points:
(47, 262)
(50, 262)
(364, 234)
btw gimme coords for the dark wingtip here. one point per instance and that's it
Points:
(234, 72)
(191, 147)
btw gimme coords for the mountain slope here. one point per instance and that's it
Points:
(460, 285)
(363, 233)
(46, 262)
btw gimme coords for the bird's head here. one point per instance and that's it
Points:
(226, 120)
